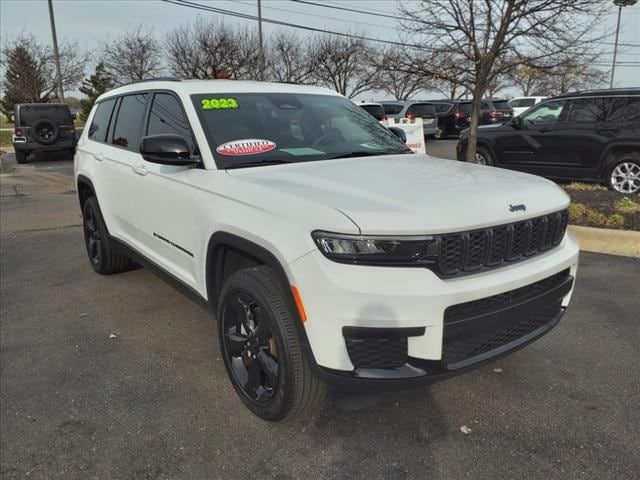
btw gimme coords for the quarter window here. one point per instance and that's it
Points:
(128, 130)
(623, 109)
(100, 122)
(586, 110)
(167, 116)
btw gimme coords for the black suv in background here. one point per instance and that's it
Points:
(42, 127)
(453, 116)
(590, 136)
(495, 110)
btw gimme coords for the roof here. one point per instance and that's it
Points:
(191, 87)
(604, 91)
(369, 104)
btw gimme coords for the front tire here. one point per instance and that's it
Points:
(104, 258)
(483, 157)
(624, 174)
(261, 349)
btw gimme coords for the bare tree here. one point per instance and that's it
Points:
(530, 80)
(136, 55)
(343, 64)
(395, 76)
(207, 50)
(31, 75)
(288, 59)
(573, 72)
(487, 38)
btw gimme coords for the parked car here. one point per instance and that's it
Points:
(522, 104)
(494, 111)
(331, 255)
(374, 109)
(453, 116)
(42, 127)
(588, 136)
(413, 109)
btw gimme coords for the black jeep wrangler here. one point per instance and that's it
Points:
(43, 127)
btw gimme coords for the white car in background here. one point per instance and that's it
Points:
(522, 104)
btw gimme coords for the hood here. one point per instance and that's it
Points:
(411, 194)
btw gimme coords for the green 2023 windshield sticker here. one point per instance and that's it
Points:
(219, 104)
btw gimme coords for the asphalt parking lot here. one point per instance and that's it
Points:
(119, 377)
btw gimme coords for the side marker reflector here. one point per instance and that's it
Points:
(299, 305)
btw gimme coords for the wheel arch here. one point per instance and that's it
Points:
(85, 189)
(227, 253)
(611, 151)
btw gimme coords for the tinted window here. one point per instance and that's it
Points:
(421, 110)
(60, 115)
(464, 107)
(374, 110)
(586, 110)
(128, 130)
(527, 102)
(443, 107)
(100, 122)
(167, 116)
(502, 105)
(392, 108)
(623, 109)
(548, 112)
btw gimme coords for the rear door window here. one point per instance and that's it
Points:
(167, 116)
(128, 129)
(100, 121)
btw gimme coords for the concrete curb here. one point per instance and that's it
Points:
(605, 240)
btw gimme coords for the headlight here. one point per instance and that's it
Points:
(377, 250)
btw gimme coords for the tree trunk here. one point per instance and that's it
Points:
(473, 127)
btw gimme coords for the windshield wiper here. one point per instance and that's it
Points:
(258, 163)
(368, 153)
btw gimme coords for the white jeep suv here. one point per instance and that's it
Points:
(331, 255)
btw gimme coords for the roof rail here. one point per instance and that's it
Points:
(155, 79)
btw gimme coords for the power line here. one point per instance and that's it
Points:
(335, 7)
(206, 8)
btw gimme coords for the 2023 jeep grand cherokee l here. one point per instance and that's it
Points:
(330, 254)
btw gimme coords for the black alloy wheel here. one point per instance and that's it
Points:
(92, 236)
(104, 257)
(250, 348)
(261, 348)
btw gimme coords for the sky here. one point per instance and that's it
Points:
(91, 22)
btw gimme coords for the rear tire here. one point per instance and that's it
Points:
(623, 176)
(103, 256)
(22, 156)
(261, 348)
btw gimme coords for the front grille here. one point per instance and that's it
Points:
(467, 252)
(474, 328)
(377, 352)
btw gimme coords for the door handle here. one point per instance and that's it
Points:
(98, 156)
(140, 170)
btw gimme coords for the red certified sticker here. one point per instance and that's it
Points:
(251, 146)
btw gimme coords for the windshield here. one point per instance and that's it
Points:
(58, 114)
(501, 105)
(247, 129)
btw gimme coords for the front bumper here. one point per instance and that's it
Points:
(339, 298)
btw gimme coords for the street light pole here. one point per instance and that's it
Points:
(56, 54)
(620, 4)
(260, 40)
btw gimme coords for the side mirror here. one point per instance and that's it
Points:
(516, 122)
(398, 132)
(74, 116)
(166, 149)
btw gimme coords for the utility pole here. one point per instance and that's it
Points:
(620, 4)
(259, 40)
(55, 53)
